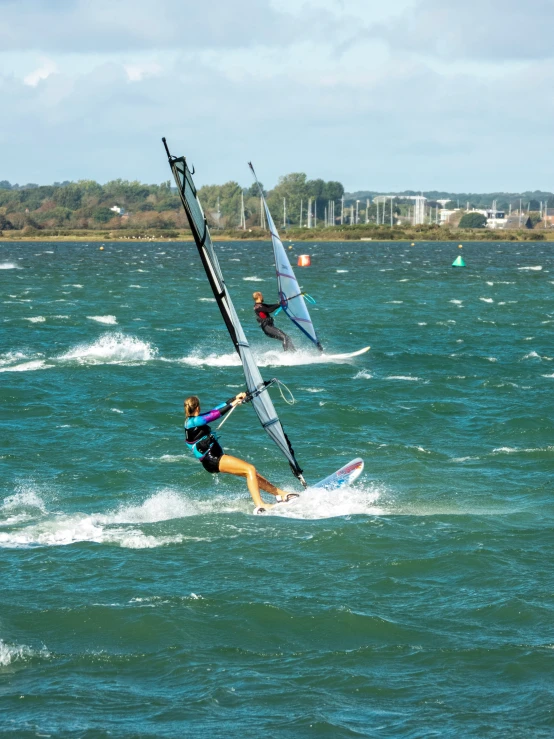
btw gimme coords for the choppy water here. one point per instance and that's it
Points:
(139, 597)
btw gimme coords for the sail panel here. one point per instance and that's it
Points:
(261, 400)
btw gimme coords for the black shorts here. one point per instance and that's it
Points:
(210, 461)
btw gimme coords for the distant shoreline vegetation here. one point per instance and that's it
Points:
(303, 209)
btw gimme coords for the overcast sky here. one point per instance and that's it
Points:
(421, 94)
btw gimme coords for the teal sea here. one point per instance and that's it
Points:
(139, 596)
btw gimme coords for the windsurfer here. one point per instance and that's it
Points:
(208, 451)
(263, 316)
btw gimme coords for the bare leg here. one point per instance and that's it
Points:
(240, 468)
(268, 487)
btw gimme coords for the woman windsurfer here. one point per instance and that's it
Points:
(208, 451)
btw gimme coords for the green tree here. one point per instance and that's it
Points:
(102, 214)
(294, 190)
(473, 220)
(68, 196)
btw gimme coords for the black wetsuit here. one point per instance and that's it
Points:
(263, 311)
(200, 440)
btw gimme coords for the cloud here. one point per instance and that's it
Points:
(400, 125)
(138, 72)
(46, 68)
(102, 26)
(490, 30)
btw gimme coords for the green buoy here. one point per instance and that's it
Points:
(458, 262)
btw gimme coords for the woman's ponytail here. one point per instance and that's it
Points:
(191, 405)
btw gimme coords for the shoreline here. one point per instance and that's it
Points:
(293, 238)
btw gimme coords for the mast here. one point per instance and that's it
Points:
(257, 388)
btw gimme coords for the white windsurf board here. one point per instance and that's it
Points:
(348, 355)
(345, 476)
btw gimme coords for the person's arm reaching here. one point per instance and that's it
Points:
(217, 412)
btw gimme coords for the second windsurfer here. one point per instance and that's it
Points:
(263, 316)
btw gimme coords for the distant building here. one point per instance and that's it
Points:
(118, 210)
(445, 214)
(495, 218)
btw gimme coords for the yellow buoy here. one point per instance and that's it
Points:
(413, 243)
(460, 246)
(101, 248)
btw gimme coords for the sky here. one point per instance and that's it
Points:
(407, 94)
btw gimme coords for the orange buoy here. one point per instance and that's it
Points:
(304, 260)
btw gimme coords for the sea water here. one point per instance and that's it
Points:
(139, 596)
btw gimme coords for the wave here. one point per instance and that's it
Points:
(9, 265)
(405, 378)
(114, 348)
(35, 364)
(487, 300)
(36, 319)
(110, 320)
(123, 526)
(535, 355)
(515, 450)
(534, 269)
(10, 653)
(253, 279)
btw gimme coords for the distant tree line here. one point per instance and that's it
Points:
(121, 204)
(88, 205)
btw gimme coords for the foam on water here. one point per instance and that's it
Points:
(315, 503)
(35, 364)
(120, 527)
(406, 378)
(253, 279)
(36, 319)
(534, 269)
(114, 348)
(110, 320)
(10, 653)
(269, 358)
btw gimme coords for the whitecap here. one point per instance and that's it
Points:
(109, 320)
(35, 364)
(253, 279)
(36, 319)
(534, 269)
(487, 300)
(9, 265)
(112, 349)
(341, 271)
(457, 302)
(404, 377)
(362, 375)
(10, 653)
